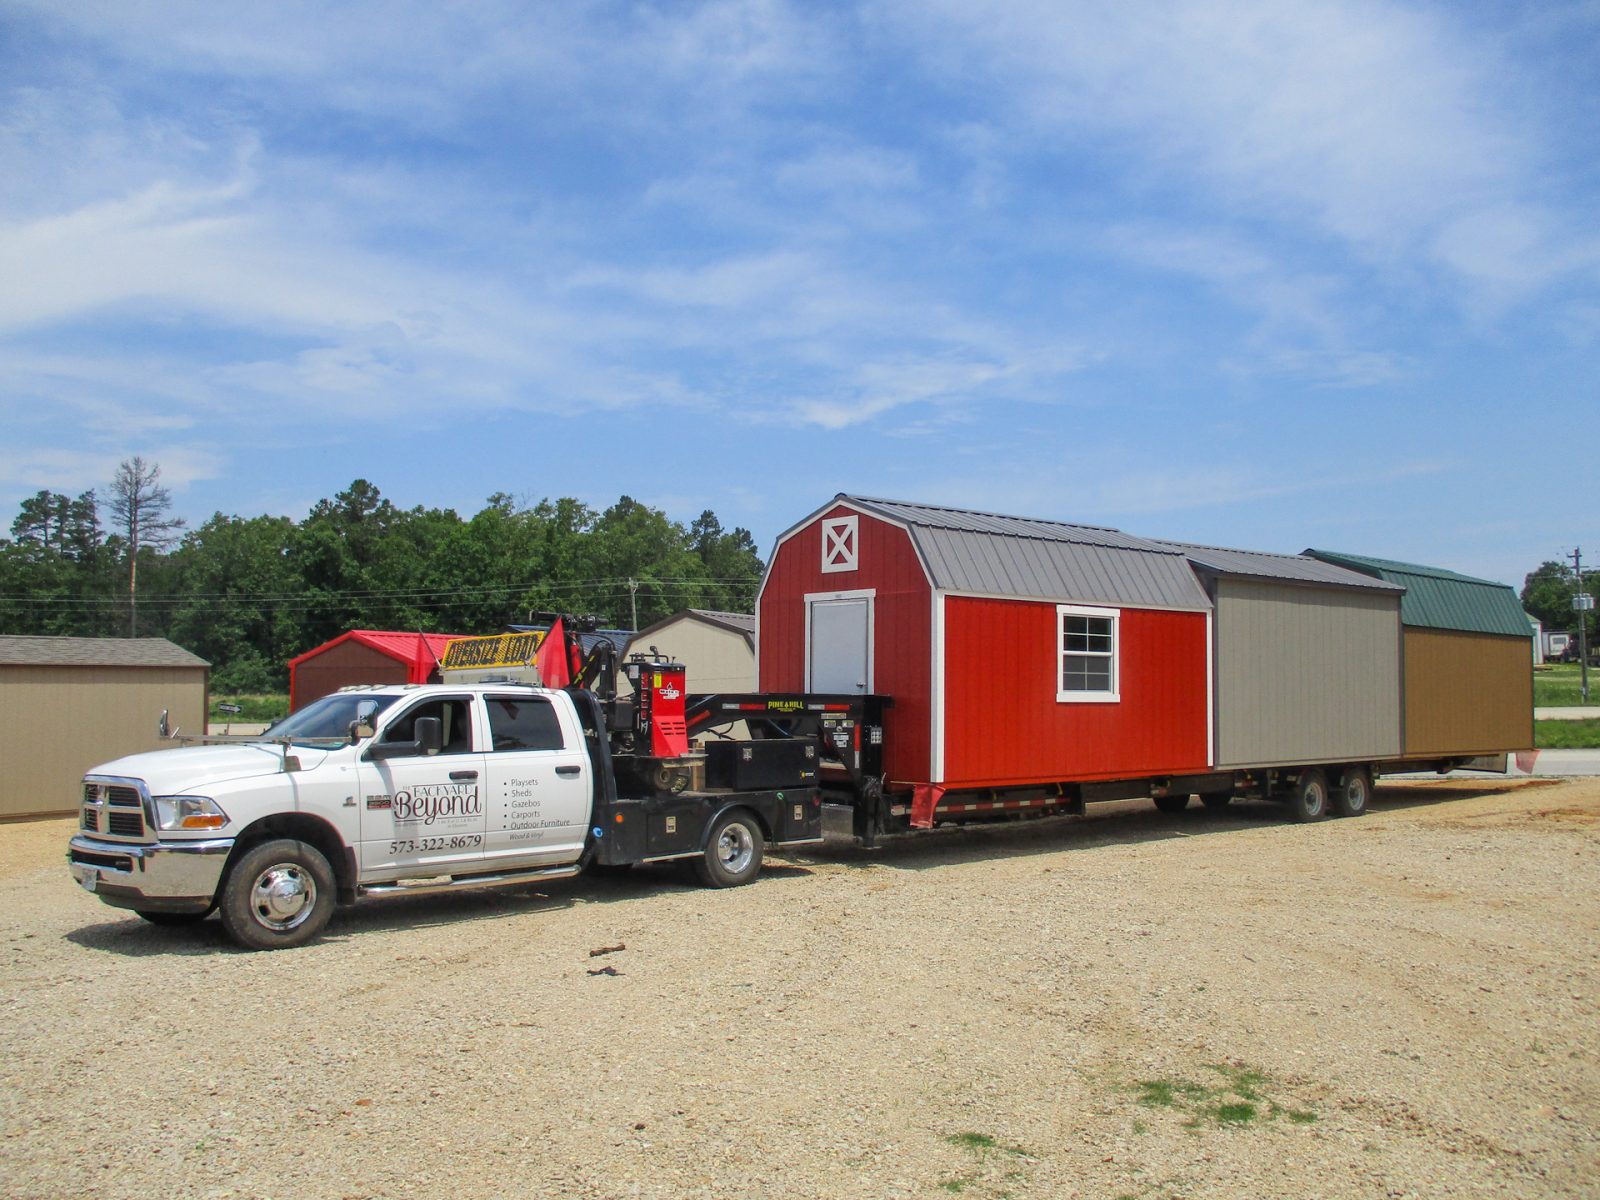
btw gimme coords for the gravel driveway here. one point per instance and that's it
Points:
(1124, 1005)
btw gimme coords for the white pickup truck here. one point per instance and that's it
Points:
(391, 790)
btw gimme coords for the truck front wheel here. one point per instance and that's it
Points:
(733, 852)
(278, 895)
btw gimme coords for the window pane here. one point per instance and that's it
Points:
(524, 723)
(455, 725)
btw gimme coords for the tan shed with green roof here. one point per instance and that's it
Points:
(1467, 659)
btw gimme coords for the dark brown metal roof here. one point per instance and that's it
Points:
(26, 651)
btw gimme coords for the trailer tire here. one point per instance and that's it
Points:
(278, 895)
(1308, 799)
(733, 851)
(1216, 801)
(1172, 803)
(1354, 792)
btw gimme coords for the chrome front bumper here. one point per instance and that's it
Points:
(159, 877)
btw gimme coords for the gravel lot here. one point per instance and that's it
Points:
(1126, 1005)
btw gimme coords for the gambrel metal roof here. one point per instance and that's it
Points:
(1440, 599)
(1291, 568)
(996, 555)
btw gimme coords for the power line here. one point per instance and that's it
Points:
(316, 596)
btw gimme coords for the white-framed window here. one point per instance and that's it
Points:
(1088, 650)
(840, 545)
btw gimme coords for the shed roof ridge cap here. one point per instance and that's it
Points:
(980, 512)
(1235, 550)
(1407, 568)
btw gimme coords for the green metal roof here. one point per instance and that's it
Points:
(1440, 599)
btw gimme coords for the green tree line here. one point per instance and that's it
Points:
(249, 593)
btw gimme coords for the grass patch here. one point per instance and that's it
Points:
(254, 707)
(1557, 685)
(1567, 735)
(985, 1150)
(1236, 1096)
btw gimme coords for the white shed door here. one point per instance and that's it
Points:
(839, 645)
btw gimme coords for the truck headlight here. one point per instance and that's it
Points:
(189, 812)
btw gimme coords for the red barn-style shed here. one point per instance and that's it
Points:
(1016, 651)
(365, 656)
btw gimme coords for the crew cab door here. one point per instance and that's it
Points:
(424, 810)
(540, 784)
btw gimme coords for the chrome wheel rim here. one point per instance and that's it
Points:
(735, 848)
(283, 896)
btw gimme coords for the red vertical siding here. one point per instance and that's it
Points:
(1004, 725)
(902, 629)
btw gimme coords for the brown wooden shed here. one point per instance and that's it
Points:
(1467, 659)
(73, 703)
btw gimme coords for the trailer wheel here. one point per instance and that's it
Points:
(1308, 799)
(1354, 793)
(1216, 800)
(1172, 803)
(277, 896)
(733, 852)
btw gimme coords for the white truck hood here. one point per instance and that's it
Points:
(193, 769)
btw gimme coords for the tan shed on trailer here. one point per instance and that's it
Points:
(1307, 659)
(718, 648)
(73, 703)
(1467, 659)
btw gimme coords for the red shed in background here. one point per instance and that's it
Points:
(365, 656)
(1016, 652)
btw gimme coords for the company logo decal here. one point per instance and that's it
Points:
(430, 802)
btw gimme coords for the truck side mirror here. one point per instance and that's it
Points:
(163, 729)
(429, 732)
(364, 726)
(427, 736)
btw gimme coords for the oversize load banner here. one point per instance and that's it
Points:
(498, 650)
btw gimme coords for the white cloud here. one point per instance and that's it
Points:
(1384, 126)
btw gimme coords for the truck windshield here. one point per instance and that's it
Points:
(329, 717)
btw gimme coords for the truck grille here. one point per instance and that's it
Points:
(112, 808)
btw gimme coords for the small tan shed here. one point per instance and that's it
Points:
(73, 703)
(718, 648)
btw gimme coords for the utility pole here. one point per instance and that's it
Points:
(1582, 602)
(633, 600)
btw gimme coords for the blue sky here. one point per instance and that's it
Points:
(1262, 274)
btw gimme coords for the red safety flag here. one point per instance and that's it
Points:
(551, 658)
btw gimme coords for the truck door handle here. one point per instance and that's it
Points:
(463, 775)
(568, 772)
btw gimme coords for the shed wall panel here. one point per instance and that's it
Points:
(718, 660)
(1467, 693)
(1305, 674)
(902, 629)
(61, 721)
(342, 665)
(1004, 725)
